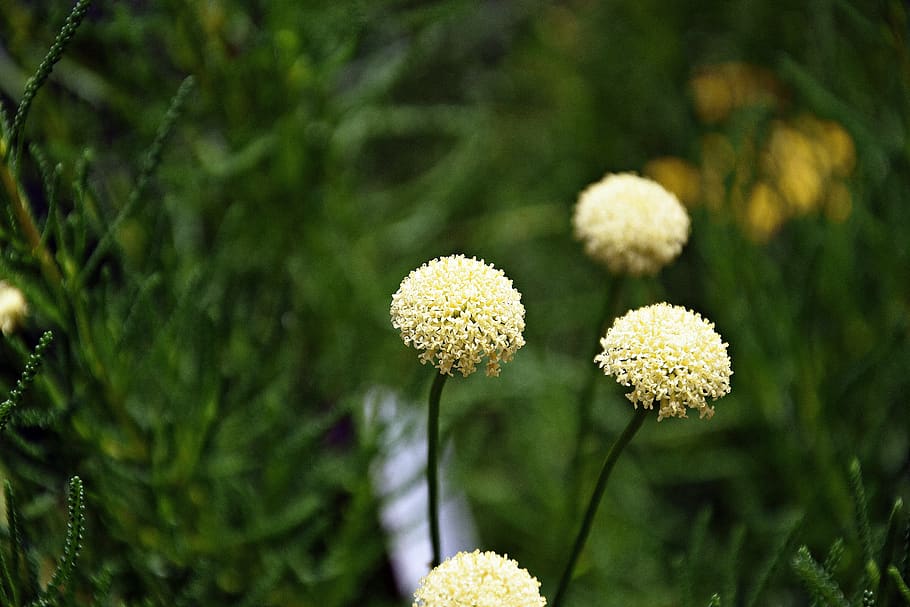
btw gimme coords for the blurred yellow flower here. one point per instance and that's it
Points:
(797, 167)
(13, 307)
(670, 356)
(838, 146)
(457, 311)
(719, 89)
(680, 177)
(630, 223)
(794, 162)
(764, 211)
(478, 579)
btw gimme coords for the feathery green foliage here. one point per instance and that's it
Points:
(44, 70)
(19, 582)
(150, 162)
(28, 376)
(824, 589)
(874, 555)
(20, 586)
(860, 509)
(216, 268)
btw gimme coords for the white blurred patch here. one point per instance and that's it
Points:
(399, 479)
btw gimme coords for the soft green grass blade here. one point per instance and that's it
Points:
(860, 505)
(732, 565)
(696, 555)
(150, 163)
(7, 584)
(900, 582)
(49, 178)
(772, 564)
(15, 542)
(834, 556)
(893, 534)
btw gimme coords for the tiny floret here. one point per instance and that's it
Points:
(478, 579)
(457, 311)
(631, 224)
(13, 307)
(670, 356)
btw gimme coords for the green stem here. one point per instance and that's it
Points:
(612, 455)
(432, 464)
(22, 210)
(611, 306)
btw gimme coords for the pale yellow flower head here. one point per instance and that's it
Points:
(670, 356)
(458, 311)
(13, 307)
(478, 579)
(630, 223)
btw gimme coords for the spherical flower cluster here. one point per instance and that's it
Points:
(478, 579)
(630, 223)
(670, 356)
(457, 311)
(13, 307)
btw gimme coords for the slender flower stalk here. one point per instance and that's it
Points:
(674, 360)
(457, 312)
(612, 455)
(633, 226)
(433, 465)
(610, 309)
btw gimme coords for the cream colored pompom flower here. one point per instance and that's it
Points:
(670, 356)
(478, 579)
(13, 308)
(630, 223)
(458, 311)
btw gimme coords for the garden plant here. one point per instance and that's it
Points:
(673, 236)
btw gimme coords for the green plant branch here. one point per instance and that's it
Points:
(611, 306)
(24, 217)
(15, 539)
(861, 510)
(817, 580)
(27, 377)
(50, 177)
(150, 163)
(612, 455)
(72, 546)
(899, 582)
(433, 464)
(763, 575)
(45, 68)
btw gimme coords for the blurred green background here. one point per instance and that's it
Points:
(208, 376)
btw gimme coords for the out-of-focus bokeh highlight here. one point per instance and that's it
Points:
(782, 167)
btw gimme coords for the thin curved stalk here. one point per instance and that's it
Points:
(611, 308)
(612, 455)
(433, 464)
